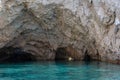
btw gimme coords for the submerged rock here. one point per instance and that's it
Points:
(41, 27)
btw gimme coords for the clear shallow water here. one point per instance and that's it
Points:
(60, 71)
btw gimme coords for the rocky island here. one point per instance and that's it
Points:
(60, 30)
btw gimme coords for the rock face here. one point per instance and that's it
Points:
(53, 29)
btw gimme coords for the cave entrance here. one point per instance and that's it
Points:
(87, 57)
(66, 53)
(11, 54)
(61, 54)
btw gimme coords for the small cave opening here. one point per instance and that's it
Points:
(61, 54)
(87, 57)
(66, 54)
(15, 55)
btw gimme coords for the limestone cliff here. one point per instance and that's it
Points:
(74, 28)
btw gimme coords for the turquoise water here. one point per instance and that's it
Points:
(60, 71)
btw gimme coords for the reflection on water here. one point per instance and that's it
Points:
(60, 71)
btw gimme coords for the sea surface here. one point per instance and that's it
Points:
(60, 71)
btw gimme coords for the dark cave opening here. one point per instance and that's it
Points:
(87, 57)
(66, 54)
(15, 55)
(61, 54)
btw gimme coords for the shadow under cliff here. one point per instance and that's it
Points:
(14, 55)
(17, 55)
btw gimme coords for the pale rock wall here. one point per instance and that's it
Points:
(42, 26)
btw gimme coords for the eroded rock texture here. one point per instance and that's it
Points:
(73, 27)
